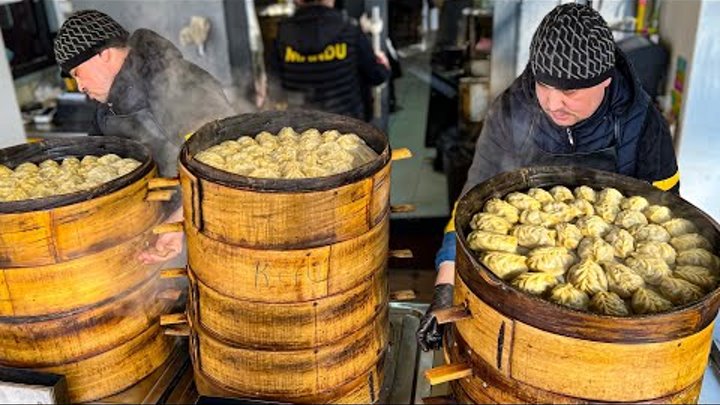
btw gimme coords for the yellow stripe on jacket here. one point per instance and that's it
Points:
(668, 183)
(450, 227)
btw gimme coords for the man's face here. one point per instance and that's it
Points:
(95, 76)
(568, 107)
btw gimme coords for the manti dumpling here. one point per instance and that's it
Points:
(541, 195)
(483, 221)
(558, 212)
(679, 291)
(608, 303)
(650, 233)
(561, 194)
(534, 217)
(651, 269)
(657, 249)
(634, 203)
(593, 226)
(553, 260)
(621, 279)
(698, 257)
(690, 241)
(647, 301)
(583, 207)
(503, 209)
(532, 236)
(567, 295)
(535, 283)
(522, 201)
(568, 235)
(585, 193)
(5, 171)
(700, 276)
(588, 276)
(679, 226)
(610, 196)
(658, 214)
(629, 218)
(481, 240)
(622, 242)
(505, 265)
(607, 212)
(596, 249)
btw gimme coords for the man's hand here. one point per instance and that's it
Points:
(382, 59)
(167, 246)
(429, 334)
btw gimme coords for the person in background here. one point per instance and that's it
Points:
(146, 92)
(577, 103)
(323, 61)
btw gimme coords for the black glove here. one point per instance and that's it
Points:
(429, 333)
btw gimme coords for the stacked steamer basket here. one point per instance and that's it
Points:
(74, 300)
(289, 297)
(511, 347)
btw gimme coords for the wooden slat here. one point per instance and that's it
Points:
(401, 154)
(177, 330)
(402, 295)
(401, 254)
(160, 195)
(173, 319)
(448, 372)
(173, 272)
(402, 208)
(452, 314)
(168, 227)
(160, 182)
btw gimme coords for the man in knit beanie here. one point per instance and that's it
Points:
(578, 103)
(146, 91)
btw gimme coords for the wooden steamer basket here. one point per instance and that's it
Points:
(74, 300)
(514, 347)
(289, 297)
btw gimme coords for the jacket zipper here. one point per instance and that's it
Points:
(570, 138)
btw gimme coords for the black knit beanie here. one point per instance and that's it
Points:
(572, 48)
(83, 35)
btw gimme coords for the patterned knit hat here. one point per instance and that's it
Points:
(83, 35)
(572, 48)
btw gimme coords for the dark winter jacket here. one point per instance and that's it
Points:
(158, 98)
(325, 62)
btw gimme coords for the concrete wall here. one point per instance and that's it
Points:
(11, 127)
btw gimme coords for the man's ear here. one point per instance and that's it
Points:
(105, 55)
(606, 82)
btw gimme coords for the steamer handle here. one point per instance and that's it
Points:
(160, 182)
(448, 372)
(400, 154)
(451, 315)
(168, 228)
(156, 189)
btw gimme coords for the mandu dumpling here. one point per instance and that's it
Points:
(698, 257)
(629, 218)
(5, 171)
(567, 295)
(585, 193)
(553, 260)
(595, 249)
(522, 201)
(558, 212)
(646, 301)
(541, 195)
(505, 265)
(658, 214)
(561, 194)
(483, 221)
(583, 207)
(634, 203)
(607, 212)
(535, 283)
(690, 241)
(588, 276)
(651, 269)
(568, 235)
(622, 242)
(657, 249)
(532, 236)
(679, 226)
(650, 233)
(503, 209)
(679, 291)
(533, 217)
(621, 279)
(593, 226)
(608, 303)
(700, 276)
(609, 196)
(481, 240)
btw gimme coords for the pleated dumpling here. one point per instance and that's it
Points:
(267, 140)
(651, 269)
(245, 141)
(657, 249)
(610, 196)
(533, 217)
(522, 201)
(588, 276)
(679, 291)
(481, 240)
(501, 208)
(561, 194)
(483, 221)
(608, 303)
(700, 276)
(567, 295)
(634, 203)
(553, 260)
(505, 265)
(621, 279)
(568, 235)
(535, 283)
(211, 159)
(658, 214)
(690, 241)
(27, 168)
(585, 193)
(698, 257)
(541, 195)
(650, 233)
(622, 242)
(5, 171)
(595, 249)
(593, 226)
(557, 212)
(608, 212)
(679, 226)
(583, 207)
(532, 236)
(629, 218)
(646, 301)
(310, 139)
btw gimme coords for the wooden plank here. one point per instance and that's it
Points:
(161, 182)
(175, 272)
(160, 195)
(401, 254)
(402, 295)
(168, 227)
(173, 319)
(452, 314)
(401, 154)
(402, 208)
(448, 372)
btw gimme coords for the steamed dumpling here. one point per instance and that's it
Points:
(505, 265)
(532, 236)
(679, 226)
(588, 276)
(593, 226)
(482, 221)
(568, 235)
(560, 212)
(522, 201)
(658, 214)
(553, 260)
(621, 279)
(609, 196)
(533, 217)
(541, 195)
(698, 257)
(690, 241)
(596, 249)
(566, 294)
(481, 240)
(585, 193)
(651, 269)
(561, 194)
(629, 218)
(583, 207)
(650, 233)
(211, 159)
(700, 276)
(607, 212)
(608, 303)
(657, 249)
(5, 171)
(503, 209)
(535, 283)
(634, 203)
(647, 301)
(679, 291)
(622, 242)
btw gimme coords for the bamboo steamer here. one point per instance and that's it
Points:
(288, 288)
(74, 300)
(524, 349)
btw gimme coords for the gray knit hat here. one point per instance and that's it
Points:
(572, 48)
(83, 35)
